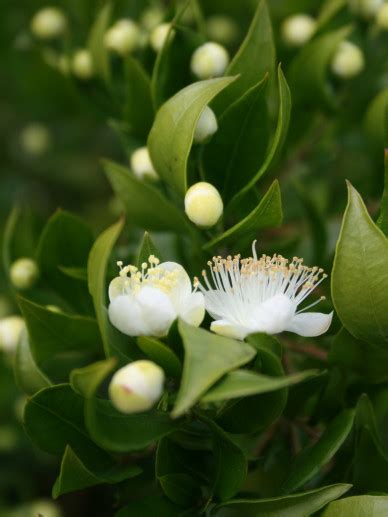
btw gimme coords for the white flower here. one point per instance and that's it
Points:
(10, 330)
(262, 295)
(146, 302)
(382, 17)
(348, 61)
(48, 23)
(35, 139)
(23, 273)
(206, 126)
(136, 387)
(159, 35)
(122, 37)
(209, 60)
(298, 29)
(141, 164)
(82, 64)
(203, 204)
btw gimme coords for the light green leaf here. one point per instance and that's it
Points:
(172, 134)
(267, 214)
(207, 358)
(360, 275)
(383, 217)
(145, 204)
(358, 506)
(98, 50)
(28, 377)
(161, 354)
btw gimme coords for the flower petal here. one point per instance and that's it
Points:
(182, 288)
(126, 315)
(157, 311)
(310, 324)
(193, 310)
(273, 315)
(116, 287)
(224, 328)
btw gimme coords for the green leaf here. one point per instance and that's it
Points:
(358, 506)
(359, 283)
(254, 59)
(308, 72)
(96, 46)
(243, 383)
(161, 354)
(207, 358)
(383, 217)
(242, 127)
(310, 460)
(144, 204)
(85, 381)
(147, 248)
(267, 214)
(65, 242)
(171, 136)
(150, 505)
(9, 231)
(58, 341)
(298, 505)
(28, 377)
(329, 9)
(78, 273)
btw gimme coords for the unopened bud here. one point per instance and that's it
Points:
(136, 387)
(348, 61)
(45, 508)
(222, 29)
(82, 65)
(209, 60)
(122, 37)
(206, 126)
(141, 164)
(23, 273)
(10, 330)
(203, 204)
(382, 17)
(48, 23)
(298, 29)
(159, 35)
(35, 139)
(365, 8)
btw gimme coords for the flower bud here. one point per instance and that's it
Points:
(10, 330)
(45, 508)
(209, 60)
(206, 126)
(159, 35)
(82, 65)
(35, 139)
(24, 273)
(203, 204)
(141, 164)
(222, 29)
(382, 17)
(136, 387)
(151, 18)
(348, 61)
(122, 37)
(298, 29)
(365, 8)
(48, 23)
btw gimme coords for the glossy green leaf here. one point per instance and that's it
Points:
(298, 505)
(144, 203)
(310, 460)
(28, 377)
(171, 136)
(267, 214)
(161, 354)
(243, 383)
(147, 248)
(85, 381)
(359, 278)
(253, 60)
(96, 46)
(383, 217)
(207, 358)
(358, 506)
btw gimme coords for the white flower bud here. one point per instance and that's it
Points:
(382, 17)
(35, 139)
(82, 65)
(203, 204)
(141, 164)
(348, 61)
(10, 330)
(136, 387)
(48, 23)
(123, 37)
(298, 29)
(206, 126)
(159, 35)
(222, 29)
(24, 273)
(151, 18)
(44, 508)
(365, 8)
(209, 60)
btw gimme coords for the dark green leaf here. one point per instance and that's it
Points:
(383, 217)
(96, 46)
(27, 375)
(147, 248)
(161, 354)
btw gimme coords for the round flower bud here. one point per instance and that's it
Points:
(10, 330)
(348, 61)
(141, 164)
(222, 29)
(209, 60)
(206, 126)
(136, 387)
(298, 29)
(151, 18)
(365, 8)
(35, 139)
(159, 35)
(122, 37)
(203, 204)
(382, 17)
(48, 23)
(23, 273)
(45, 508)
(82, 65)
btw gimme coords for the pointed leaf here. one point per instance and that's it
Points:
(96, 46)
(147, 248)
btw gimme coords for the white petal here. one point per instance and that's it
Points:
(193, 310)
(157, 311)
(224, 328)
(126, 315)
(182, 287)
(274, 315)
(116, 287)
(310, 324)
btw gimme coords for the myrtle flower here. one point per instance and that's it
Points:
(145, 301)
(262, 295)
